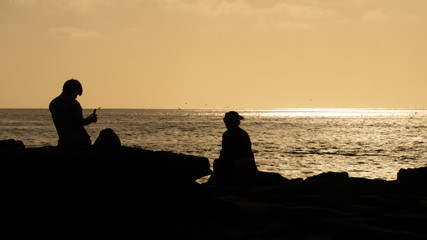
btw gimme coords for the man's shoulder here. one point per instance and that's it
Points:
(54, 102)
(63, 102)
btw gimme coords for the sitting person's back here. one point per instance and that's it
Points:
(236, 153)
(236, 144)
(68, 118)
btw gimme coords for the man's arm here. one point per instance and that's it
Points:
(90, 119)
(78, 115)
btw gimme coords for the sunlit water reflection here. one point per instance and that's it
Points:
(371, 143)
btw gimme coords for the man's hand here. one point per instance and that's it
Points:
(92, 118)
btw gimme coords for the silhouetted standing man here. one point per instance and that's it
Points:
(68, 117)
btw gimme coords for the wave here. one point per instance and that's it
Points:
(338, 153)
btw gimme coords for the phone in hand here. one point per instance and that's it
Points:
(94, 111)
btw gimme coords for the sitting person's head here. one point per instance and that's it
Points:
(232, 119)
(72, 88)
(107, 139)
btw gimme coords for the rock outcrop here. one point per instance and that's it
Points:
(130, 193)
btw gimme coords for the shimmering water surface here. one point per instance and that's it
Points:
(371, 143)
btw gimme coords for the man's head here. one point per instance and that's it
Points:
(72, 88)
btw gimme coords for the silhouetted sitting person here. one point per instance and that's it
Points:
(107, 139)
(236, 157)
(68, 117)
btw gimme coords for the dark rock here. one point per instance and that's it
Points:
(247, 180)
(416, 176)
(70, 193)
(11, 144)
(329, 176)
(271, 179)
(123, 160)
(130, 193)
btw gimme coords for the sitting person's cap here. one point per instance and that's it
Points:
(233, 115)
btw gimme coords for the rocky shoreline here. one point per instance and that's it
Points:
(130, 193)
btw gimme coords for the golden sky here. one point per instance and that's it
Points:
(215, 53)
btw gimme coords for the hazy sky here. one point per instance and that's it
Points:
(215, 53)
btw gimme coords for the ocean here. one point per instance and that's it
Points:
(297, 143)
